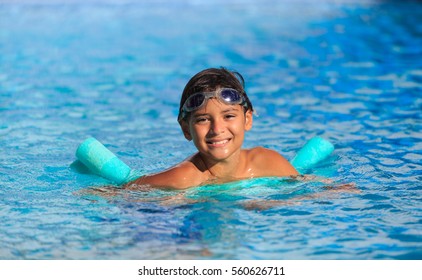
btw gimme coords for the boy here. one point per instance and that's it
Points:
(215, 113)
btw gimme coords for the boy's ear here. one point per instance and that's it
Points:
(185, 128)
(248, 120)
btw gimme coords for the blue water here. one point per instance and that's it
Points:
(350, 72)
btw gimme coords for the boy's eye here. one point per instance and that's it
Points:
(230, 116)
(200, 120)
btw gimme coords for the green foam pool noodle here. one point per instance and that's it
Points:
(314, 151)
(102, 161)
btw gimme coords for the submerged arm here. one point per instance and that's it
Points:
(328, 192)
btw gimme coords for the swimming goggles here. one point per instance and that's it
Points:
(228, 96)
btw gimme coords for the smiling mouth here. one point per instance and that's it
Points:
(218, 143)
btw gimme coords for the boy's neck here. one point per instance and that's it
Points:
(228, 168)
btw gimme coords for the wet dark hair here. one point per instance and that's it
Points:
(210, 80)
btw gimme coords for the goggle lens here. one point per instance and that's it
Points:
(231, 96)
(227, 95)
(195, 101)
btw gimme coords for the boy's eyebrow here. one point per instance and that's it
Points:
(229, 110)
(196, 114)
(199, 114)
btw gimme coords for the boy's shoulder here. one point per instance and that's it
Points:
(181, 176)
(269, 162)
(261, 153)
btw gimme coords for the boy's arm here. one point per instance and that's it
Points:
(181, 176)
(329, 192)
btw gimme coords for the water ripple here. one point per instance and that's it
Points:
(347, 72)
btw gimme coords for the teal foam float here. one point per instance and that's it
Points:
(314, 151)
(101, 161)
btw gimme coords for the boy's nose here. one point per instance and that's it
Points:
(217, 127)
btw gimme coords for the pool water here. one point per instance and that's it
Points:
(349, 71)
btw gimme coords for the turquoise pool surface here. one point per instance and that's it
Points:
(348, 71)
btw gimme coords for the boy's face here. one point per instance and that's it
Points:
(217, 129)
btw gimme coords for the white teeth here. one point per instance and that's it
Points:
(220, 142)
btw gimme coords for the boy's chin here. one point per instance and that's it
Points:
(217, 155)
